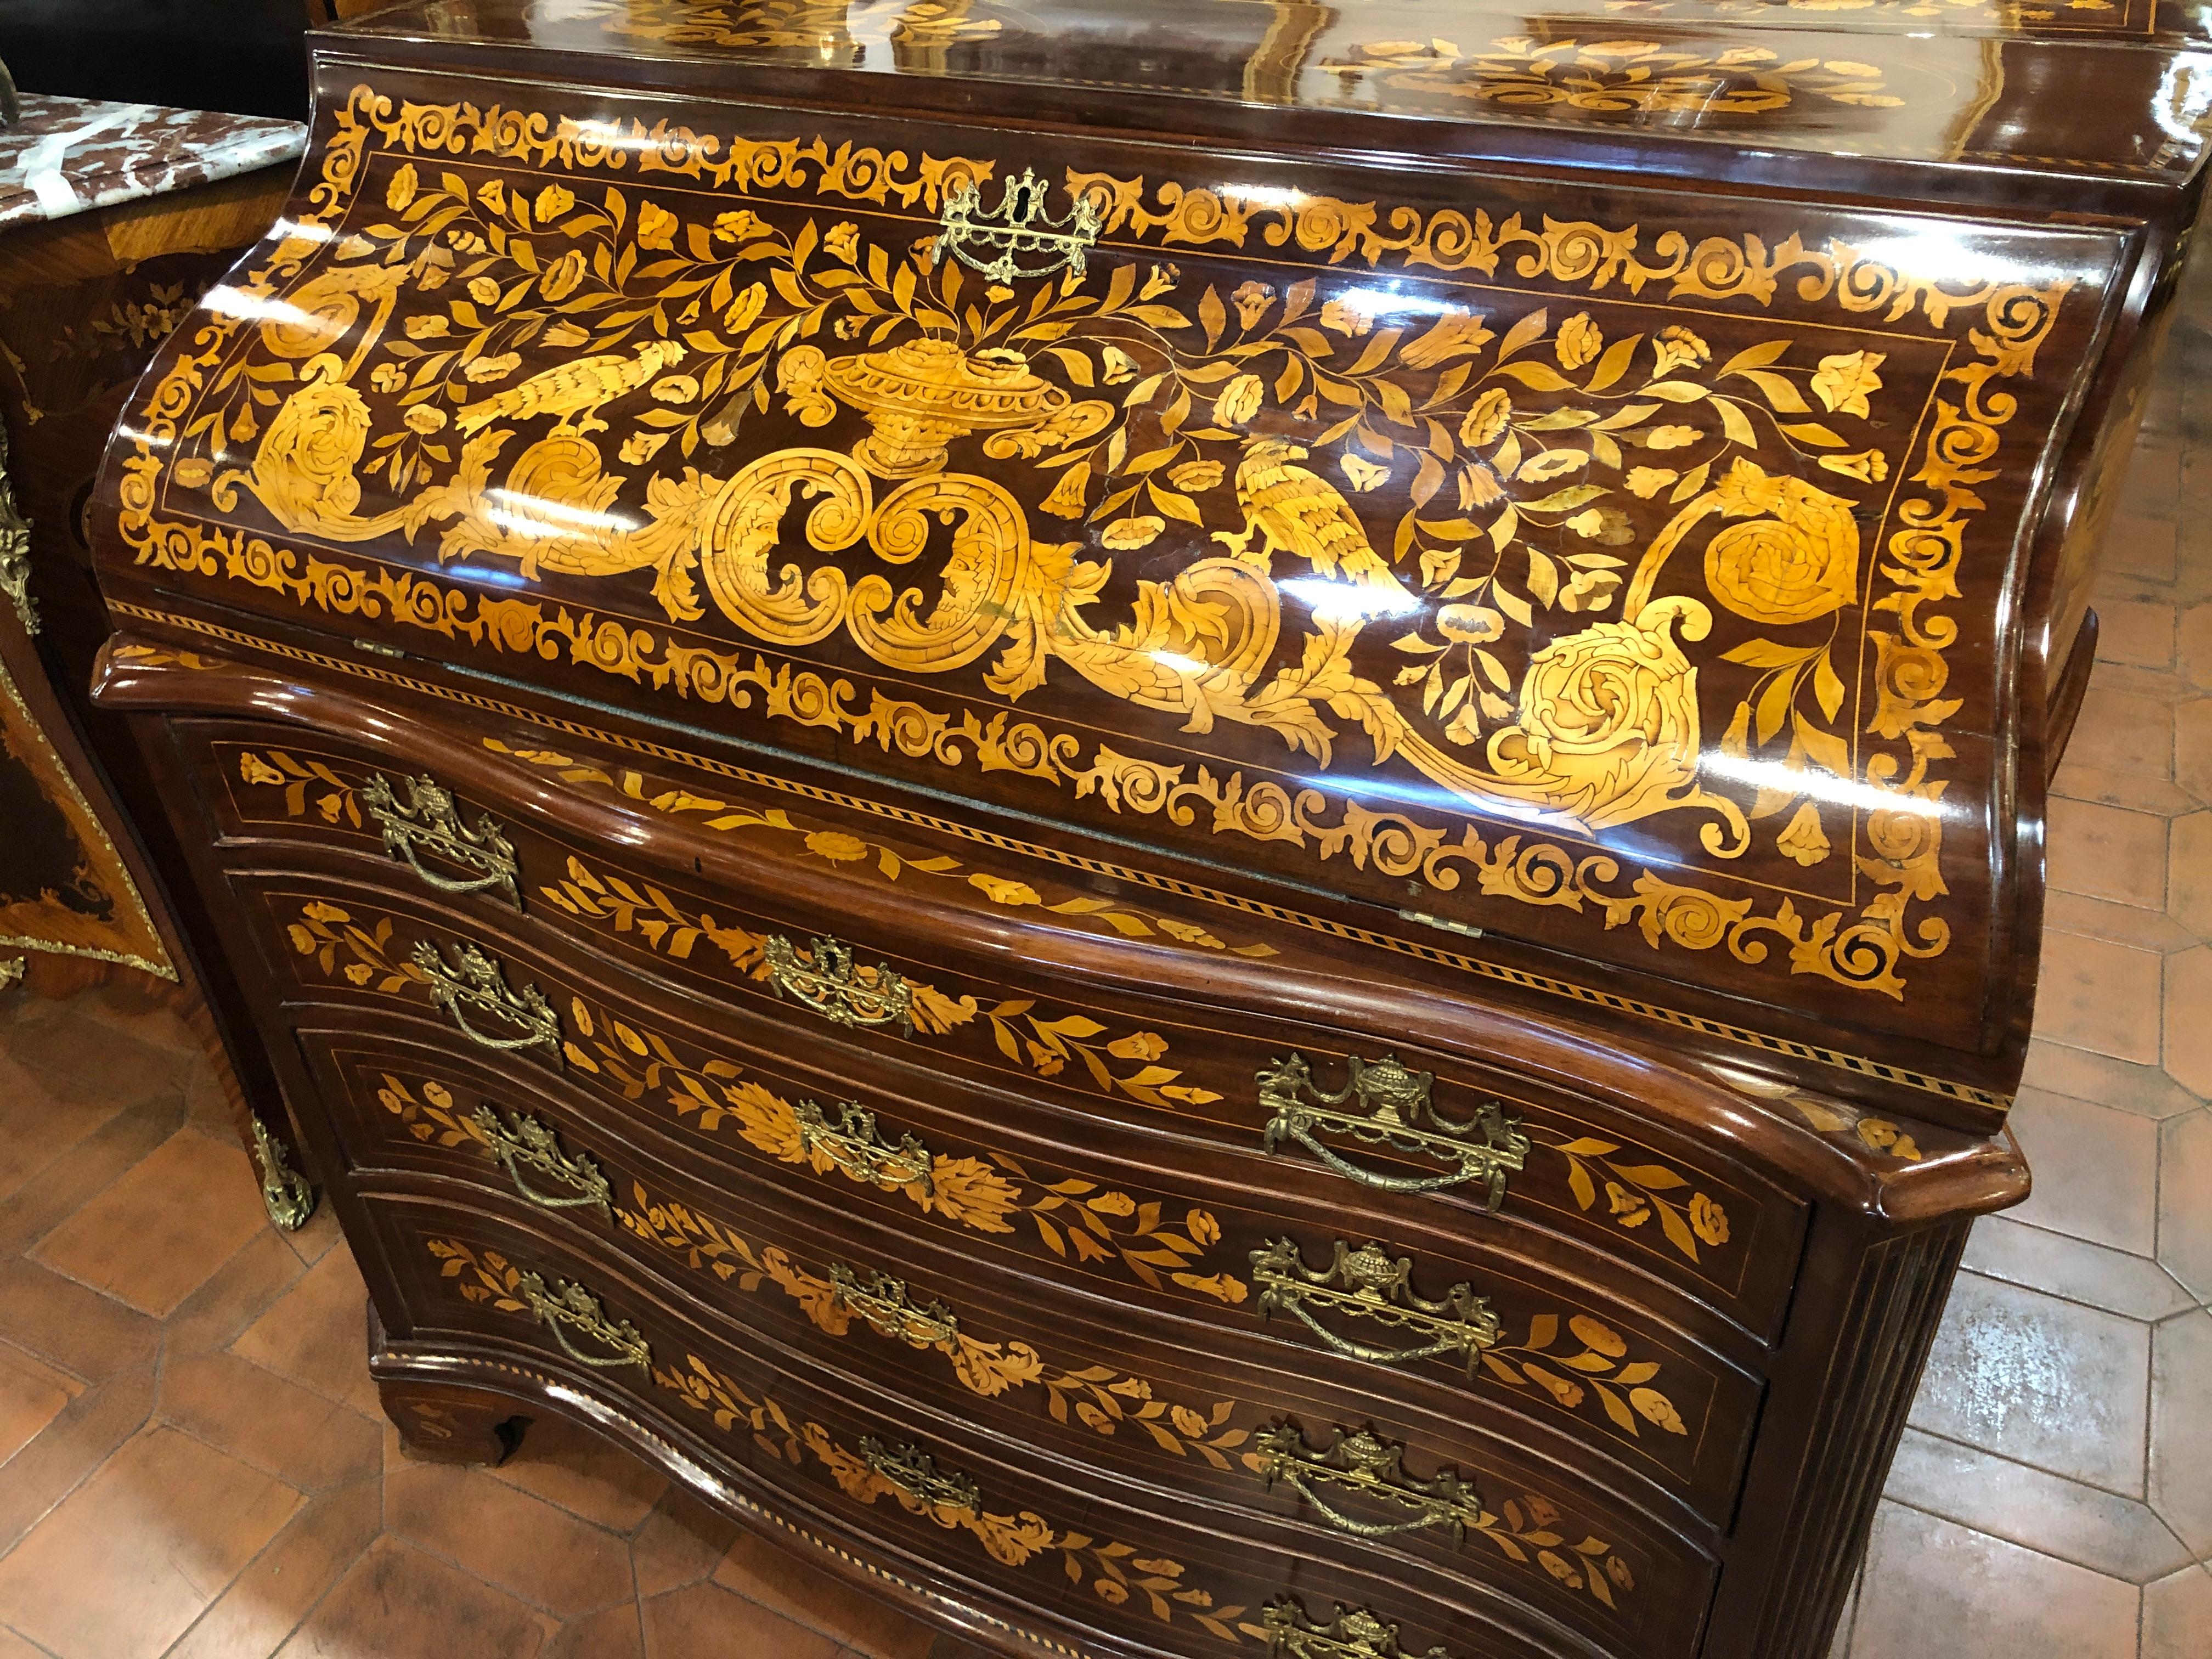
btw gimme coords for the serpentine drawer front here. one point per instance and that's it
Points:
(1654, 1423)
(1374, 1122)
(1573, 1368)
(470, 1269)
(1194, 889)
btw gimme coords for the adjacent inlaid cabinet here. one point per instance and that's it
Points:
(1199, 828)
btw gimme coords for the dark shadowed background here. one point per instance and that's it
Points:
(243, 55)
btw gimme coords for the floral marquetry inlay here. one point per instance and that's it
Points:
(1576, 1363)
(1546, 562)
(1528, 1530)
(1605, 77)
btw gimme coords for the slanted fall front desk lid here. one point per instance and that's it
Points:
(1648, 578)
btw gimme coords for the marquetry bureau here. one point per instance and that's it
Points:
(1203, 827)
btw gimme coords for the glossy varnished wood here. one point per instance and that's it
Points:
(876, 1102)
(1742, 935)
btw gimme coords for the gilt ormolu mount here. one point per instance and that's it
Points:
(1396, 804)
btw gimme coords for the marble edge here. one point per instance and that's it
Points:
(109, 186)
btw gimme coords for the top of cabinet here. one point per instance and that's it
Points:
(1979, 87)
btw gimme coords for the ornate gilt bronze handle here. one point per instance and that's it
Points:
(571, 1304)
(1356, 1634)
(1366, 1463)
(1017, 226)
(1395, 1109)
(431, 819)
(827, 982)
(913, 1473)
(472, 980)
(884, 1302)
(524, 1140)
(1369, 1284)
(857, 1146)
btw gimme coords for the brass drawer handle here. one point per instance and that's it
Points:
(857, 1147)
(524, 1140)
(430, 819)
(1368, 1284)
(472, 979)
(827, 982)
(1356, 1634)
(884, 1302)
(913, 1474)
(1395, 1109)
(1366, 1463)
(571, 1304)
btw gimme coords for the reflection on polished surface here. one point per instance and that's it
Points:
(1212, 835)
(1594, 576)
(1935, 80)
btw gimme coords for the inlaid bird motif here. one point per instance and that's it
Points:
(573, 391)
(1297, 511)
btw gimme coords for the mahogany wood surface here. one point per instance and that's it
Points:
(1308, 937)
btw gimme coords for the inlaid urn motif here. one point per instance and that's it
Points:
(922, 394)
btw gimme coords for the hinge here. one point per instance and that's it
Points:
(1428, 920)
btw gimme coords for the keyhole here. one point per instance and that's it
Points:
(1021, 202)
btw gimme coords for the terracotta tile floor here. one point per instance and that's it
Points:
(191, 1462)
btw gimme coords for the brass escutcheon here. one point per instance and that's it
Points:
(1017, 226)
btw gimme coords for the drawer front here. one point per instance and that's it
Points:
(1435, 1131)
(1462, 1557)
(1437, 1316)
(1040, 1353)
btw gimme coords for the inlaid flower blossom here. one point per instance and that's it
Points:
(563, 276)
(1580, 341)
(1485, 421)
(1803, 839)
(656, 227)
(1708, 1220)
(1842, 382)
(1239, 401)
(1677, 348)
(1126, 535)
(1365, 475)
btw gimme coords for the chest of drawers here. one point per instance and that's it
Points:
(1207, 828)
